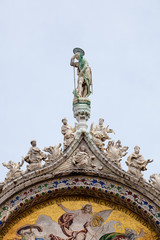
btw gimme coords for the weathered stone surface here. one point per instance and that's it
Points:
(136, 163)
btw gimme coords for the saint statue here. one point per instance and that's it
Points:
(68, 133)
(136, 163)
(84, 73)
(34, 157)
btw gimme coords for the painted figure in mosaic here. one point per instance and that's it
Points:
(54, 152)
(14, 170)
(155, 180)
(82, 224)
(100, 133)
(115, 152)
(27, 232)
(136, 163)
(34, 157)
(84, 73)
(68, 133)
(129, 234)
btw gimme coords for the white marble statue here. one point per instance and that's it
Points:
(115, 152)
(100, 133)
(14, 170)
(84, 73)
(155, 180)
(34, 157)
(54, 152)
(136, 163)
(68, 133)
(81, 158)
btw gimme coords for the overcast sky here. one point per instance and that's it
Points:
(121, 39)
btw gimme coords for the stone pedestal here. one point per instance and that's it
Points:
(81, 110)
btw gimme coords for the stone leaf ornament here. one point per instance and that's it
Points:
(155, 180)
(54, 152)
(115, 152)
(14, 170)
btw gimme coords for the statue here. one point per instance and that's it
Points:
(54, 152)
(136, 163)
(81, 158)
(15, 170)
(100, 133)
(34, 157)
(84, 73)
(68, 133)
(115, 152)
(155, 180)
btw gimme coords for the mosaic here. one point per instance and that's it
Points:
(78, 218)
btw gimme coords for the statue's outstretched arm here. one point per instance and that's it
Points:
(149, 160)
(4, 164)
(109, 130)
(75, 128)
(22, 162)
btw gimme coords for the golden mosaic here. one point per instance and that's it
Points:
(78, 218)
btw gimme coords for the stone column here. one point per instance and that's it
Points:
(81, 110)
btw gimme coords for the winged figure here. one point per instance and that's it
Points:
(100, 133)
(80, 224)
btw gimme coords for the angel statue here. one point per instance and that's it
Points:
(14, 170)
(100, 133)
(84, 73)
(81, 224)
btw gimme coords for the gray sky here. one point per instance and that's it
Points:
(121, 39)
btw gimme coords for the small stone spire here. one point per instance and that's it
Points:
(82, 90)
